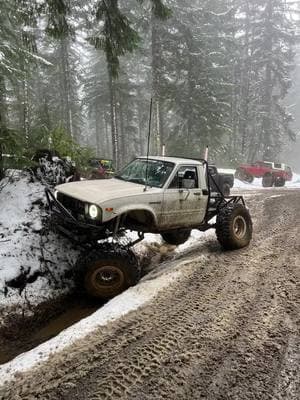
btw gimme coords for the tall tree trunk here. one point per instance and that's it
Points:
(245, 84)
(3, 127)
(113, 120)
(108, 141)
(123, 138)
(66, 86)
(140, 125)
(267, 96)
(98, 131)
(3, 108)
(158, 122)
(26, 122)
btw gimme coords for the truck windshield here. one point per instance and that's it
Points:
(157, 172)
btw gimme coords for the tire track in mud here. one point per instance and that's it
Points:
(228, 330)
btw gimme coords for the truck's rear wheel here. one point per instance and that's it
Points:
(279, 181)
(177, 237)
(108, 271)
(267, 180)
(234, 227)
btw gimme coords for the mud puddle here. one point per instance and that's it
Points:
(57, 325)
(29, 333)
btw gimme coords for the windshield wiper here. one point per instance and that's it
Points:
(119, 177)
(140, 181)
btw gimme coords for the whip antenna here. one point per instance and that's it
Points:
(148, 144)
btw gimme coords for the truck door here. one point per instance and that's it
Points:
(184, 203)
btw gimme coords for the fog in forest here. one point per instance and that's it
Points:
(77, 76)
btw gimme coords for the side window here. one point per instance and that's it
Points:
(268, 164)
(186, 178)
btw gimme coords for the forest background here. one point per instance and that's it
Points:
(78, 76)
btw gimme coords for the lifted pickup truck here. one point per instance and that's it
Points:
(271, 173)
(165, 195)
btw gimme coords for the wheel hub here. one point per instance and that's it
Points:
(239, 226)
(107, 276)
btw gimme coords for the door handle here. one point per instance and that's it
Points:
(181, 191)
(197, 194)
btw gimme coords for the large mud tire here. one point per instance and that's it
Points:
(249, 178)
(267, 180)
(234, 227)
(279, 182)
(239, 174)
(243, 175)
(109, 270)
(177, 237)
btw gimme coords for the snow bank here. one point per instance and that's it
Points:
(295, 183)
(29, 253)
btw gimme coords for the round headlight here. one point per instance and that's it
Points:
(93, 211)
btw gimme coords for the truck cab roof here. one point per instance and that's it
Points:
(175, 160)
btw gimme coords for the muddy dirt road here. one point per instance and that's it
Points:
(228, 329)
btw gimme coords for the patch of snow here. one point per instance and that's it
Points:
(256, 184)
(295, 182)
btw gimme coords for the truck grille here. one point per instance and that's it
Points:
(76, 207)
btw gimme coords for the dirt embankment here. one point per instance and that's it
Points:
(228, 330)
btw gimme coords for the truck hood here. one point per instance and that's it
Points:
(245, 165)
(101, 190)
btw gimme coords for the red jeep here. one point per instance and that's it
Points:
(271, 173)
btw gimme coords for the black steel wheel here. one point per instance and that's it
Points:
(234, 227)
(108, 270)
(176, 237)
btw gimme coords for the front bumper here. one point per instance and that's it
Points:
(68, 225)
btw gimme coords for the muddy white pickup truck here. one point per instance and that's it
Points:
(165, 195)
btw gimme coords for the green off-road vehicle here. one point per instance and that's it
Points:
(165, 195)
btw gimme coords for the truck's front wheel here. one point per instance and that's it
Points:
(108, 271)
(279, 181)
(234, 227)
(177, 237)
